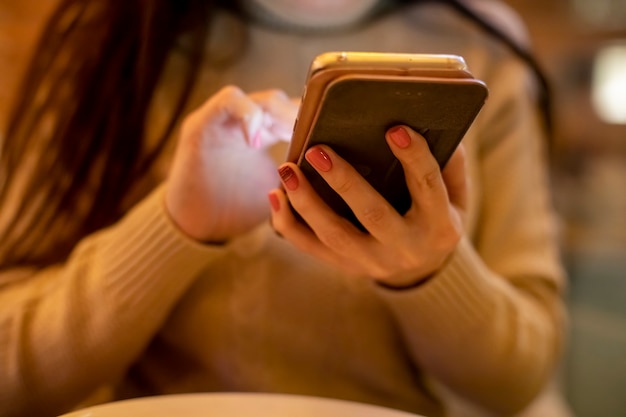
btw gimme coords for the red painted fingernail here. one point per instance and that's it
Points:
(319, 159)
(400, 136)
(274, 202)
(288, 177)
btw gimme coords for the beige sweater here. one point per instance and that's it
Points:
(141, 308)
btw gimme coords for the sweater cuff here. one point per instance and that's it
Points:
(462, 295)
(147, 257)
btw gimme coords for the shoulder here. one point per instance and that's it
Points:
(460, 26)
(503, 17)
(451, 30)
(512, 85)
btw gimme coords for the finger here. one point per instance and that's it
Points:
(280, 115)
(455, 178)
(334, 231)
(371, 209)
(422, 172)
(329, 237)
(295, 231)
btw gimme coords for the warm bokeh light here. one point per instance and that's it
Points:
(605, 14)
(609, 83)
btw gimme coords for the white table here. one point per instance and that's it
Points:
(236, 405)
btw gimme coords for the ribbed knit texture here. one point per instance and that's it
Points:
(83, 322)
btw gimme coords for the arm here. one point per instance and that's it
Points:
(487, 319)
(68, 329)
(492, 339)
(490, 323)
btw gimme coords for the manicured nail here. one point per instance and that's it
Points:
(319, 159)
(400, 136)
(288, 177)
(274, 202)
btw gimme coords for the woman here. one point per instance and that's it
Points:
(127, 267)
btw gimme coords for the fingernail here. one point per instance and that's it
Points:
(288, 177)
(319, 159)
(400, 136)
(274, 202)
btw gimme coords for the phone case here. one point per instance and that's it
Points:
(354, 110)
(329, 66)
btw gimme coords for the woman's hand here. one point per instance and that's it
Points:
(398, 250)
(221, 172)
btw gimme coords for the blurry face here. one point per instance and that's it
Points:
(319, 12)
(321, 7)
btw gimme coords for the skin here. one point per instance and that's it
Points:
(322, 13)
(222, 176)
(398, 250)
(221, 173)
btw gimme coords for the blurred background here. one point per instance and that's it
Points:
(581, 44)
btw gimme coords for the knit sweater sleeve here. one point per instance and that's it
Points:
(68, 329)
(489, 325)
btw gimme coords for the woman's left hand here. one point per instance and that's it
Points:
(399, 250)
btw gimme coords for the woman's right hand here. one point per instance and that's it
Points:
(221, 172)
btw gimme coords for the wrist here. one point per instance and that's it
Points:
(413, 279)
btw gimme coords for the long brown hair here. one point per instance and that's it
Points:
(79, 121)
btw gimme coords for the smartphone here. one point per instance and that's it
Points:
(351, 99)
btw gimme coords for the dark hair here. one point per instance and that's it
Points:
(79, 121)
(524, 54)
(89, 86)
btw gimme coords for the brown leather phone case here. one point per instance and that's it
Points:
(351, 111)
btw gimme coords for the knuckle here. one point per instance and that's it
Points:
(277, 95)
(342, 183)
(430, 179)
(374, 215)
(336, 239)
(230, 90)
(270, 97)
(446, 239)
